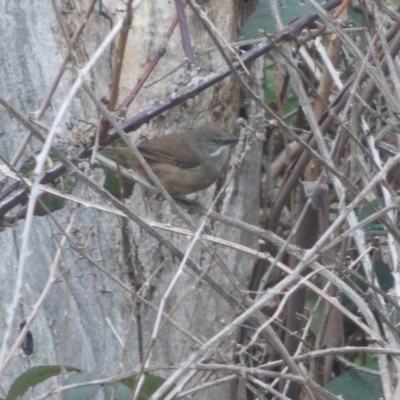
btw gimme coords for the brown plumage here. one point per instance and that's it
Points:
(184, 162)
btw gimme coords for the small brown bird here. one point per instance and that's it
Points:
(184, 162)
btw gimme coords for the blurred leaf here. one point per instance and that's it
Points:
(90, 392)
(318, 314)
(112, 179)
(32, 377)
(85, 392)
(257, 22)
(123, 392)
(364, 359)
(261, 18)
(112, 184)
(375, 227)
(270, 80)
(150, 385)
(53, 202)
(357, 385)
(383, 275)
(30, 163)
(64, 184)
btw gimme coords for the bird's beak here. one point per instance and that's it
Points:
(229, 141)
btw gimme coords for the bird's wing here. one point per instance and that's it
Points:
(159, 150)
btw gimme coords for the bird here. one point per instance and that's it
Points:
(184, 162)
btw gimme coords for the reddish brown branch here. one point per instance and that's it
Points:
(116, 76)
(160, 53)
(186, 45)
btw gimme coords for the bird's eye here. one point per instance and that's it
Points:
(213, 141)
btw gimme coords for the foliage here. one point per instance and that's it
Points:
(39, 374)
(357, 385)
(33, 377)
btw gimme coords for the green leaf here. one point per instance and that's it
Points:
(150, 385)
(316, 314)
(30, 163)
(54, 202)
(375, 227)
(84, 392)
(39, 374)
(383, 275)
(90, 392)
(112, 180)
(261, 18)
(112, 184)
(123, 392)
(64, 184)
(32, 377)
(124, 389)
(357, 385)
(257, 22)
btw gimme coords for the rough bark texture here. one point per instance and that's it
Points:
(31, 51)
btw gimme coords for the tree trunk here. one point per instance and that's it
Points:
(86, 311)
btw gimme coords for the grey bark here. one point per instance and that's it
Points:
(75, 320)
